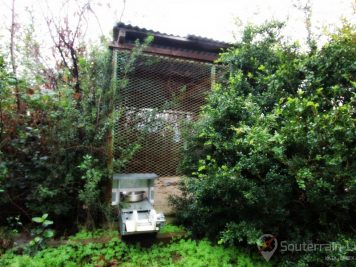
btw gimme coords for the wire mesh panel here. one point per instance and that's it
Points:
(161, 95)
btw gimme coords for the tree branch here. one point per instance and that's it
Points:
(12, 54)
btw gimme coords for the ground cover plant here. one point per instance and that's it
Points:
(114, 252)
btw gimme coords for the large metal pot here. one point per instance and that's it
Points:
(134, 196)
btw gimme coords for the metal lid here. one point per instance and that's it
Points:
(135, 176)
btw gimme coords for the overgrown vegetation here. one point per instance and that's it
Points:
(56, 116)
(274, 149)
(274, 152)
(54, 151)
(43, 144)
(114, 252)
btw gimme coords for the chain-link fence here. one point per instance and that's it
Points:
(162, 94)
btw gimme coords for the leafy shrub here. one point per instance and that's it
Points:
(275, 146)
(58, 128)
(41, 233)
(40, 147)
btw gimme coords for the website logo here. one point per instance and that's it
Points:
(267, 245)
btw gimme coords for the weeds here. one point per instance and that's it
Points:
(181, 252)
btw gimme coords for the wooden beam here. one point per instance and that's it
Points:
(170, 52)
(122, 35)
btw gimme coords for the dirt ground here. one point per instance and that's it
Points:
(164, 187)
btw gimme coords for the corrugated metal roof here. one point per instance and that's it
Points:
(189, 36)
(190, 47)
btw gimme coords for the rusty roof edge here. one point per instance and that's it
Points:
(202, 57)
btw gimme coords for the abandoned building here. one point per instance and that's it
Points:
(165, 89)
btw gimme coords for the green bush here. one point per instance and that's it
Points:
(43, 144)
(274, 149)
(54, 151)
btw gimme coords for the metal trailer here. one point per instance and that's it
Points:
(133, 193)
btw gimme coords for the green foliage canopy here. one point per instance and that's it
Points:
(275, 146)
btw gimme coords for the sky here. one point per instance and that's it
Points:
(216, 19)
